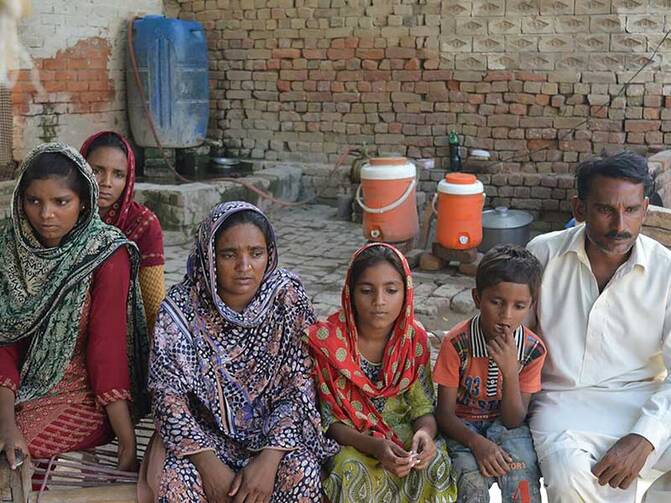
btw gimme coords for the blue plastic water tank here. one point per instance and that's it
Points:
(172, 60)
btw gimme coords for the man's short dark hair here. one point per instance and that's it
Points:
(511, 264)
(625, 165)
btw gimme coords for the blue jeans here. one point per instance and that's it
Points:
(520, 485)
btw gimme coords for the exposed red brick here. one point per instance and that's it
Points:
(412, 64)
(452, 85)
(542, 99)
(498, 75)
(407, 75)
(370, 53)
(437, 75)
(375, 97)
(322, 75)
(347, 98)
(395, 127)
(651, 113)
(518, 109)
(533, 76)
(350, 75)
(654, 138)
(534, 145)
(294, 75)
(374, 75)
(319, 97)
(340, 53)
(641, 126)
(598, 111)
(76, 77)
(352, 42)
(286, 53)
(364, 86)
(636, 138)
(314, 53)
(575, 145)
(71, 86)
(400, 52)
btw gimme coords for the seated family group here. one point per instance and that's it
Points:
(562, 374)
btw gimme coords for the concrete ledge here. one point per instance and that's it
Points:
(659, 166)
(180, 208)
(657, 225)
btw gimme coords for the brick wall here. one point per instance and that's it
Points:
(300, 79)
(79, 50)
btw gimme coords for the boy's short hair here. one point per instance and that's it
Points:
(509, 263)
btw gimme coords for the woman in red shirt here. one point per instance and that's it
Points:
(74, 348)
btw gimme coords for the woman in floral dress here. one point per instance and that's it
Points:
(233, 399)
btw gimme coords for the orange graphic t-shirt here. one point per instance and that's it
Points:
(463, 363)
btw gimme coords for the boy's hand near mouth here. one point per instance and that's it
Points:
(503, 351)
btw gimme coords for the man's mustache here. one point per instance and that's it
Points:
(618, 235)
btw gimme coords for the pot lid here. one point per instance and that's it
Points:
(505, 218)
(461, 184)
(384, 168)
(225, 161)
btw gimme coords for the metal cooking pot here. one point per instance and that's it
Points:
(223, 165)
(505, 226)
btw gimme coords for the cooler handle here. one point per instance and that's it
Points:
(389, 207)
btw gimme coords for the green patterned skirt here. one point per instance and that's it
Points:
(354, 477)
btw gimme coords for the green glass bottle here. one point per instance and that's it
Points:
(455, 157)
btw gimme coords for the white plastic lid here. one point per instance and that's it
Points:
(480, 153)
(391, 168)
(460, 184)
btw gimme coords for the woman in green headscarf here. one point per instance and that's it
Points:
(73, 336)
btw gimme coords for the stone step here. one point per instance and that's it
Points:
(181, 207)
(658, 217)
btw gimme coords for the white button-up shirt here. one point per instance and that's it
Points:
(608, 352)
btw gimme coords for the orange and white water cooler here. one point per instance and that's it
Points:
(460, 198)
(388, 200)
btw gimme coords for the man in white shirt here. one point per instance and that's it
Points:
(604, 414)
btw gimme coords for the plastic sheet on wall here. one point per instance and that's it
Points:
(12, 57)
(11, 50)
(6, 163)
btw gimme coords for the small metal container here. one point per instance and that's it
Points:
(223, 164)
(505, 226)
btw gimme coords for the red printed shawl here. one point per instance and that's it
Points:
(135, 220)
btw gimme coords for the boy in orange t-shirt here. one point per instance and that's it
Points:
(487, 369)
